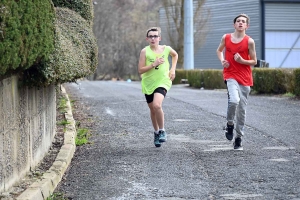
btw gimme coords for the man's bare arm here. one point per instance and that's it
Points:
(220, 55)
(252, 52)
(142, 68)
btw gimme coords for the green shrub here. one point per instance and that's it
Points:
(297, 82)
(266, 80)
(76, 50)
(208, 79)
(289, 82)
(213, 79)
(180, 74)
(270, 81)
(195, 78)
(75, 54)
(26, 34)
(82, 7)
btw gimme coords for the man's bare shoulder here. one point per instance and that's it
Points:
(251, 41)
(223, 37)
(143, 50)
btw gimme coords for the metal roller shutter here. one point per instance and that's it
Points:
(282, 34)
(282, 16)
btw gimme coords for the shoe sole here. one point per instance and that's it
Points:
(238, 149)
(157, 145)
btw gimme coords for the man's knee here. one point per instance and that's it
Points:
(156, 106)
(234, 101)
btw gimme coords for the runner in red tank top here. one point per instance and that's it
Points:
(240, 55)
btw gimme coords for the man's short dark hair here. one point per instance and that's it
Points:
(154, 29)
(242, 15)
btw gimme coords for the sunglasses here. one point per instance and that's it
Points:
(153, 36)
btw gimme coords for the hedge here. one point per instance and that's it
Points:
(46, 41)
(83, 7)
(26, 34)
(75, 55)
(269, 81)
(266, 80)
(297, 82)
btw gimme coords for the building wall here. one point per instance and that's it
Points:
(282, 34)
(220, 22)
(27, 128)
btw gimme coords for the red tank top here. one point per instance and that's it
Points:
(240, 72)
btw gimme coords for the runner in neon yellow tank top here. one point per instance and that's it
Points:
(157, 79)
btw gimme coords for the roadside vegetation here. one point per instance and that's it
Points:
(267, 81)
(82, 136)
(57, 196)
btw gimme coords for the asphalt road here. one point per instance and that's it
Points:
(197, 162)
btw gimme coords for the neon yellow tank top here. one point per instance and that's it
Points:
(158, 76)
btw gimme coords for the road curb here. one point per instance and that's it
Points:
(44, 187)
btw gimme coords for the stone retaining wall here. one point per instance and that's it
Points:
(27, 128)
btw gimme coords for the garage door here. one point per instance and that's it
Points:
(282, 35)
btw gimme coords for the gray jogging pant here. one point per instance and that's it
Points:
(237, 103)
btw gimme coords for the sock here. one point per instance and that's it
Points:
(156, 132)
(161, 129)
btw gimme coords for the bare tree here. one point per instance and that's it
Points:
(174, 11)
(119, 26)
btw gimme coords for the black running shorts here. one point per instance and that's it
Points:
(161, 90)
